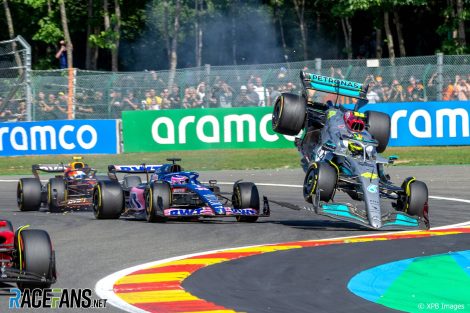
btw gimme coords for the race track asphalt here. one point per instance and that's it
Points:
(89, 249)
(312, 279)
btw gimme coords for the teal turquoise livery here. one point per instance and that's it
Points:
(333, 85)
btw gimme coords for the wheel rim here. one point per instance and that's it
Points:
(148, 201)
(95, 201)
(20, 196)
(310, 182)
(276, 114)
(49, 194)
(236, 198)
(237, 202)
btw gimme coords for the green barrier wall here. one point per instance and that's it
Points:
(198, 129)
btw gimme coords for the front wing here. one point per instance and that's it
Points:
(13, 275)
(394, 220)
(346, 212)
(208, 212)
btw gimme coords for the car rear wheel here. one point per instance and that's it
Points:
(157, 199)
(108, 200)
(245, 195)
(56, 194)
(320, 176)
(379, 127)
(288, 114)
(28, 194)
(35, 255)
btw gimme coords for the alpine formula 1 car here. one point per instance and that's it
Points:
(72, 188)
(340, 151)
(171, 192)
(27, 257)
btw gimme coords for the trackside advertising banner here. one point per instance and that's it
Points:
(427, 123)
(59, 137)
(197, 129)
(413, 124)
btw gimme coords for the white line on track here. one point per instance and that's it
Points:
(449, 199)
(104, 287)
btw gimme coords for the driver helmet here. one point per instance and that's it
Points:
(355, 148)
(77, 174)
(354, 121)
(179, 179)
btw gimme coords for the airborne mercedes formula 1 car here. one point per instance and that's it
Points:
(72, 188)
(26, 257)
(171, 192)
(340, 151)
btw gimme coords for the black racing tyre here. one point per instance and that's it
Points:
(56, 194)
(379, 127)
(245, 195)
(415, 198)
(35, 255)
(131, 181)
(28, 194)
(157, 199)
(323, 176)
(108, 200)
(288, 114)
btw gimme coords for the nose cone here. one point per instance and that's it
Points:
(376, 223)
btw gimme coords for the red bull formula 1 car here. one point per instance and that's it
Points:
(171, 192)
(26, 257)
(71, 189)
(339, 150)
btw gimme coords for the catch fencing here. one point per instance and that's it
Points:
(84, 94)
(15, 82)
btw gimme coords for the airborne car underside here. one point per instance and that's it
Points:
(340, 151)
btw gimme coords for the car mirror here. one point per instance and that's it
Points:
(329, 146)
(392, 159)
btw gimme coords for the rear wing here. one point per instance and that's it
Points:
(337, 86)
(48, 168)
(135, 169)
(57, 168)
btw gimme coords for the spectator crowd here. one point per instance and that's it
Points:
(154, 94)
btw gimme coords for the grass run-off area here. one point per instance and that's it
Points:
(245, 159)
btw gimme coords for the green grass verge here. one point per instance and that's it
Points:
(235, 159)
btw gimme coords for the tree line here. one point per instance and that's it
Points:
(168, 34)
